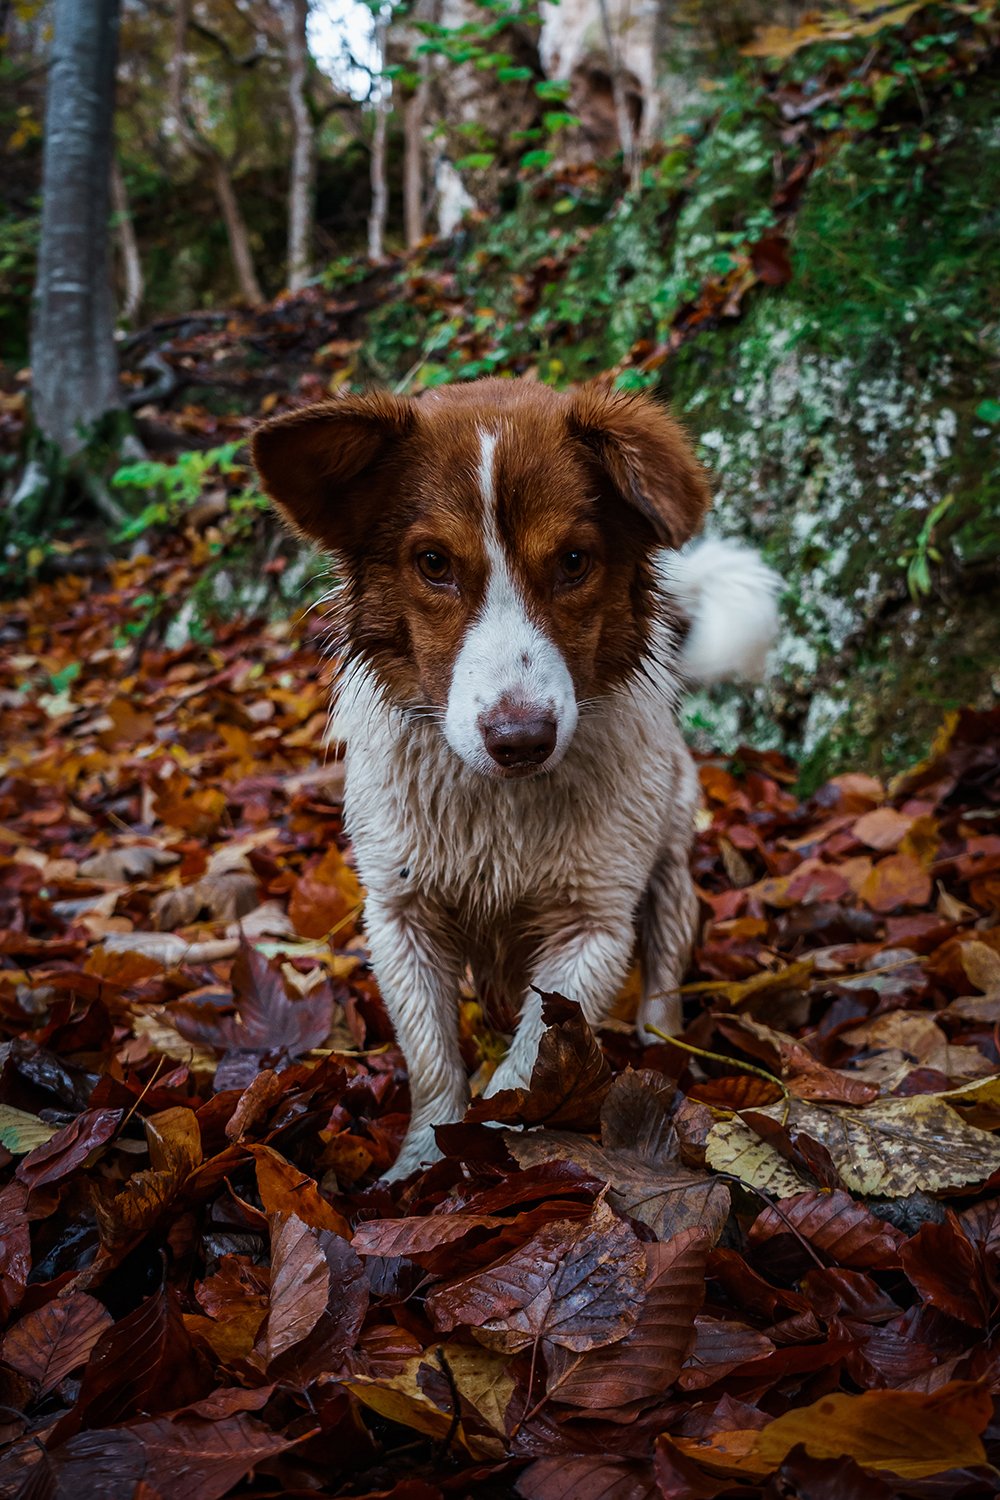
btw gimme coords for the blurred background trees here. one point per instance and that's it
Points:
(783, 220)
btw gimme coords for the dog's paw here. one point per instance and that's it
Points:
(662, 1011)
(419, 1149)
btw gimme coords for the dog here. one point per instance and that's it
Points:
(515, 619)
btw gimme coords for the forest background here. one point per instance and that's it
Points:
(785, 223)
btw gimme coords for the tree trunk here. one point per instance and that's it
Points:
(236, 230)
(413, 160)
(128, 246)
(380, 191)
(74, 365)
(626, 134)
(301, 188)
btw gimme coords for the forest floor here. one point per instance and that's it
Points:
(764, 1261)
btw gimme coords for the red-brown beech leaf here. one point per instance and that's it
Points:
(211, 1456)
(649, 1358)
(946, 1270)
(635, 1115)
(144, 1363)
(270, 1022)
(826, 1479)
(589, 1477)
(285, 1189)
(679, 1478)
(295, 1352)
(300, 1285)
(69, 1147)
(720, 1347)
(835, 1224)
(638, 1158)
(422, 1235)
(577, 1284)
(54, 1340)
(568, 1082)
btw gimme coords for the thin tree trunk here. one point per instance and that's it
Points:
(73, 360)
(626, 134)
(301, 189)
(236, 230)
(128, 246)
(413, 160)
(380, 191)
(196, 143)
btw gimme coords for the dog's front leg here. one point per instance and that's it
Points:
(668, 930)
(586, 962)
(418, 969)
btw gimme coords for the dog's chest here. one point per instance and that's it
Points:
(424, 827)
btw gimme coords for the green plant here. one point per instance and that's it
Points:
(176, 486)
(918, 559)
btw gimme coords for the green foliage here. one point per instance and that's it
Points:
(177, 486)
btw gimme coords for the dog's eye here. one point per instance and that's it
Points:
(574, 566)
(435, 566)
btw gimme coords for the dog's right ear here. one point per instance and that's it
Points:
(326, 467)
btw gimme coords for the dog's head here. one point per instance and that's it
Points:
(494, 545)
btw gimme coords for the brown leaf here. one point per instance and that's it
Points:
(144, 1363)
(588, 1478)
(637, 1158)
(769, 257)
(300, 1285)
(55, 1339)
(721, 1347)
(212, 1456)
(662, 1193)
(836, 1225)
(568, 1082)
(69, 1147)
(270, 1023)
(895, 882)
(326, 897)
(215, 898)
(285, 1190)
(943, 1266)
(576, 1284)
(884, 828)
(648, 1359)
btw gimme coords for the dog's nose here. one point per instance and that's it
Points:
(518, 736)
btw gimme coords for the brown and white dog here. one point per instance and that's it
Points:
(516, 622)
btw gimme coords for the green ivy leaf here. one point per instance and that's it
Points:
(476, 161)
(537, 158)
(559, 119)
(553, 88)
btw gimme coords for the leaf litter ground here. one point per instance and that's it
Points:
(761, 1263)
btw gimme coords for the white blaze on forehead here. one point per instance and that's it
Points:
(505, 655)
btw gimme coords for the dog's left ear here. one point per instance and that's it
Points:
(646, 457)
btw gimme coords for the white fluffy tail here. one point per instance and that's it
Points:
(729, 595)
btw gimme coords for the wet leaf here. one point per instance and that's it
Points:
(55, 1339)
(649, 1358)
(577, 1284)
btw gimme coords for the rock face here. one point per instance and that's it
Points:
(591, 45)
(849, 423)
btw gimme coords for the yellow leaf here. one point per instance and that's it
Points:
(906, 1433)
(894, 1147)
(21, 1132)
(733, 1147)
